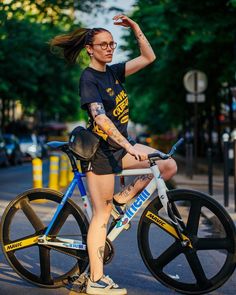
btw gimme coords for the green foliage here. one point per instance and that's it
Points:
(54, 12)
(233, 3)
(29, 72)
(184, 35)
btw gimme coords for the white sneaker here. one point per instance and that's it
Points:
(77, 282)
(104, 286)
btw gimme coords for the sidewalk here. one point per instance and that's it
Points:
(200, 182)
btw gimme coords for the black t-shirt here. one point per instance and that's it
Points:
(106, 88)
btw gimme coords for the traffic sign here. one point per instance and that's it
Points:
(195, 97)
(195, 81)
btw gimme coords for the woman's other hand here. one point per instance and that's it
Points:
(124, 21)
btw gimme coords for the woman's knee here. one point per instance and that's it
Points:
(171, 167)
(103, 211)
(168, 168)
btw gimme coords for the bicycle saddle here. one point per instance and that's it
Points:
(57, 144)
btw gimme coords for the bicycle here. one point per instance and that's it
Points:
(35, 247)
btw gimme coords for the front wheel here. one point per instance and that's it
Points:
(25, 219)
(207, 261)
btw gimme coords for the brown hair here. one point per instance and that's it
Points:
(71, 44)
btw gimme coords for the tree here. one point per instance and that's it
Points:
(54, 12)
(46, 87)
(31, 73)
(184, 35)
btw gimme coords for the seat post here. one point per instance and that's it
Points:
(66, 150)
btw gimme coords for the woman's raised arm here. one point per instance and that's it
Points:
(147, 54)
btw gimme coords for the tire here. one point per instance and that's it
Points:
(211, 260)
(26, 217)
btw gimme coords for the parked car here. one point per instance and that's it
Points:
(30, 146)
(44, 147)
(14, 153)
(3, 152)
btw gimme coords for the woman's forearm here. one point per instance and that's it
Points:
(145, 47)
(110, 129)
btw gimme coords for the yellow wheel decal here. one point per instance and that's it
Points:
(166, 226)
(21, 244)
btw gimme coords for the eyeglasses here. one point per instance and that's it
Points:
(104, 45)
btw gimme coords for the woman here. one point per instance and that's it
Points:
(106, 102)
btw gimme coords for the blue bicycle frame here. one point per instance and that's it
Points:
(77, 181)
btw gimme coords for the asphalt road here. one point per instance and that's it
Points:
(127, 267)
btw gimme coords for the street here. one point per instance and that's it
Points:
(127, 267)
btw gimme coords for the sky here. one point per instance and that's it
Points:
(105, 21)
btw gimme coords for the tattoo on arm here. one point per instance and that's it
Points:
(110, 129)
(96, 108)
(107, 125)
(101, 253)
(142, 39)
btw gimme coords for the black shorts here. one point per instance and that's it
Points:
(107, 160)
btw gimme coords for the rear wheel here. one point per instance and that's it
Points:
(201, 268)
(25, 219)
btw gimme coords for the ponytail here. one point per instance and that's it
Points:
(70, 45)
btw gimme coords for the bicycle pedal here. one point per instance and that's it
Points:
(77, 283)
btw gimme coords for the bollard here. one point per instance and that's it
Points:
(79, 166)
(226, 169)
(210, 164)
(53, 172)
(70, 172)
(37, 173)
(63, 171)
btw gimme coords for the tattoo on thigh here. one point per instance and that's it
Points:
(126, 191)
(146, 177)
(101, 253)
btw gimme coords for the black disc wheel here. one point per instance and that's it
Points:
(207, 261)
(25, 219)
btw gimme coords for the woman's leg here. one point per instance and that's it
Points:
(101, 189)
(168, 168)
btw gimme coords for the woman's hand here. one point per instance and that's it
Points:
(140, 156)
(124, 21)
